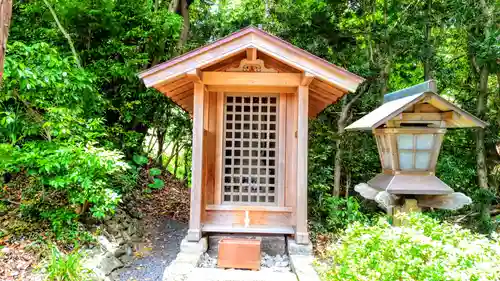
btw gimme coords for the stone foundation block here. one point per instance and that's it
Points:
(199, 247)
(299, 249)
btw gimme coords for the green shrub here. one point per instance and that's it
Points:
(332, 214)
(66, 267)
(81, 172)
(423, 249)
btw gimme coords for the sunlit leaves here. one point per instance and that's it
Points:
(422, 249)
(82, 171)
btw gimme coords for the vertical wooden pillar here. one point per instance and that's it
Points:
(301, 234)
(194, 232)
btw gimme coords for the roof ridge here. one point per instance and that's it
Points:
(425, 87)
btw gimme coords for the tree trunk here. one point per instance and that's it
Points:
(428, 45)
(341, 124)
(173, 6)
(160, 135)
(5, 18)
(337, 170)
(65, 33)
(482, 171)
(498, 99)
(174, 149)
(386, 56)
(186, 167)
(185, 26)
(176, 163)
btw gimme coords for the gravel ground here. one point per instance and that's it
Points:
(165, 236)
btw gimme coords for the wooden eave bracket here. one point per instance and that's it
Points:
(194, 75)
(307, 78)
(428, 116)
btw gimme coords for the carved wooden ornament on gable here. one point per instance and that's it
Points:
(252, 66)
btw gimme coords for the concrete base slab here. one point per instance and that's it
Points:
(270, 244)
(186, 261)
(303, 266)
(216, 274)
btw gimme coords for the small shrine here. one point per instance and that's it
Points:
(250, 95)
(409, 129)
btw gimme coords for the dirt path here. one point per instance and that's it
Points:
(164, 236)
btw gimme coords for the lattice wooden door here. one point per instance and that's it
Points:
(250, 150)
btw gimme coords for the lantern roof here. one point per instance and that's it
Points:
(410, 184)
(424, 103)
(175, 77)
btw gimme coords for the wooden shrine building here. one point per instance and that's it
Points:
(250, 95)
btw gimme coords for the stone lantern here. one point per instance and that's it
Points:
(409, 129)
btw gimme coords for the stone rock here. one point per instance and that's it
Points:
(136, 214)
(269, 263)
(126, 259)
(119, 252)
(131, 230)
(135, 238)
(206, 261)
(102, 265)
(108, 264)
(120, 241)
(107, 245)
(124, 225)
(282, 264)
(126, 236)
(5, 250)
(278, 258)
(112, 227)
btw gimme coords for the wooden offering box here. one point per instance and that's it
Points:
(239, 253)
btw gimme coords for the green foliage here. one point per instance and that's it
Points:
(422, 249)
(81, 172)
(140, 160)
(60, 219)
(157, 184)
(154, 172)
(66, 267)
(333, 214)
(46, 95)
(66, 227)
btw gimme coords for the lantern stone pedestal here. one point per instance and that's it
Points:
(409, 206)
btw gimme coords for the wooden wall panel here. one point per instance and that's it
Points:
(219, 131)
(291, 152)
(257, 218)
(210, 148)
